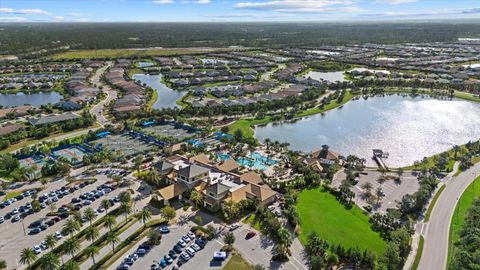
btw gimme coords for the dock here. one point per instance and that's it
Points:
(379, 156)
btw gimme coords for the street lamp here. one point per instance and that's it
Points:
(23, 225)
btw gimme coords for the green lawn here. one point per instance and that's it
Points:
(237, 263)
(319, 211)
(466, 96)
(119, 53)
(12, 195)
(419, 253)
(134, 71)
(464, 203)
(254, 223)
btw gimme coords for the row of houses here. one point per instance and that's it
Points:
(39, 68)
(30, 81)
(19, 111)
(218, 182)
(132, 95)
(81, 90)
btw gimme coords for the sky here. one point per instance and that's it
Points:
(234, 10)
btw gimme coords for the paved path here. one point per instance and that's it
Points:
(435, 250)
(97, 109)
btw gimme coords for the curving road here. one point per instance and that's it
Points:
(435, 250)
(97, 109)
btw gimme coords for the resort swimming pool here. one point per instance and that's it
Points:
(257, 161)
(223, 157)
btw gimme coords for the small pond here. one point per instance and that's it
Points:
(34, 99)
(167, 97)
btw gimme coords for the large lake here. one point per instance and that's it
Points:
(34, 99)
(167, 97)
(406, 127)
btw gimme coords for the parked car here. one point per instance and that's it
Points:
(234, 226)
(172, 254)
(250, 234)
(190, 251)
(182, 243)
(141, 252)
(165, 229)
(168, 259)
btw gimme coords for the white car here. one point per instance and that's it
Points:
(190, 251)
(182, 243)
(37, 249)
(58, 235)
(271, 207)
(2, 219)
(195, 247)
(234, 226)
(101, 210)
(186, 238)
(191, 235)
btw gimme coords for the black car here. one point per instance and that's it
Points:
(43, 227)
(172, 254)
(145, 246)
(200, 242)
(35, 231)
(76, 200)
(177, 249)
(63, 215)
(35, 224)
(50, 222)
(19, 197)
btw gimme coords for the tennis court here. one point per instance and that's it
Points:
(72, 154)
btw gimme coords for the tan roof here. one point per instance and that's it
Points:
(251, 177)
(172, 191)
(325, 154)
(228, 165)
(202, 158)
(260, 193)
(10, 128)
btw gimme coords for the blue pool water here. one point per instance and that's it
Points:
(223, 157)
(257, 161)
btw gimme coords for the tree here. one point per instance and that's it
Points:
(71, 246)
(70, 265)
(196, 197)
(27, 256)
(168, 213)
(71, 226)
(229, 239)
(106, 205)
(91, 252)
(89, 214)
(154, 237)
(109, 222)
(112, 239)
(258, 267)
(49, 261)
(125, 209)
(91, 233)
(145, 215)
(230, 210)
(50, 241)
(125, 197)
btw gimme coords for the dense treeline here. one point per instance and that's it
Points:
(466, 254)
(27, 37)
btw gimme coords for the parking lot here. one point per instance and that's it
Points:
(392, 189)
(202, 260)
(13, 238)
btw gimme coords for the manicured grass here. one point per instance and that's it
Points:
(134, 71)
(430, 161)
(237, 262)
(418, 256)
(119, 53)
(152, 100)
(254, 223)
(432, 203)
(464, 203)
(12, 194)
(330, 106)
(320, 212)
(466, 96)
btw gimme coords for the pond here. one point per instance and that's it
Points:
(34, 99)
(167, 97)
(408, 128)
(145, 64)
(326, 76)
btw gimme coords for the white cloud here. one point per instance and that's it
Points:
(428, 14)
(24, 11)
(301, 6)
(163, 2)
(57, 18)
(13, 19)
(74, 14)
(201, 1)
(395, 2)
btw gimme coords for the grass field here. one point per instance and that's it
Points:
(432, 203)
(466, 96)
(320, 212)
(418, 256)
(119, 53)
(464, 203)
(254, 223)
(134, 71)
(12, 194)
(237, 263)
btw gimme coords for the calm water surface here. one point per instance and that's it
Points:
(167, 97)
(406, 127)
(34, 99)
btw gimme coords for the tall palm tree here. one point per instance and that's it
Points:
(91, 233)
(196, 197)
(109, 222)
(49, 261)
(125, 197)
(71, 247)
(91, 251)
(71, 226)
(70, 265)
(50, 241)
(112, 239)
(145, 215)
(27, 256)
(105, 204)
(125, 209)
(89, 214)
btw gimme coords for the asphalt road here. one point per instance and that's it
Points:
(97, 109)
(435, 249)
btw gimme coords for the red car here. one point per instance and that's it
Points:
(250, 235)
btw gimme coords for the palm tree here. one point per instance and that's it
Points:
(229, 238)
(125, 209)
(168, 213)
(106, 204)
(70, 265)
(230, 209)
(71, 226)
(89, 214)
(71, 247)
(125, 197)
(109, 222)
(145, 215)
(50, 241)
(112, 239)
(196, 197)
(91, 251)
(91, 233)
(27, 256)
(49, 261)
